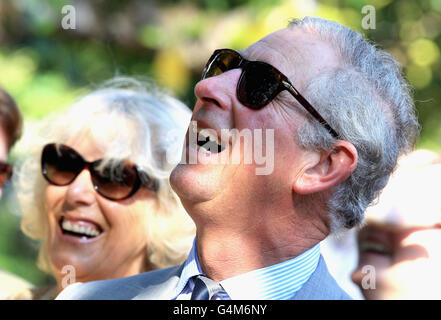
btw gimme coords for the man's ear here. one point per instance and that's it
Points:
(328, 170)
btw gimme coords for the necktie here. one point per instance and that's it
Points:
(205, 288)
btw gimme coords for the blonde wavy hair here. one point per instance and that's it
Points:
(148, 128)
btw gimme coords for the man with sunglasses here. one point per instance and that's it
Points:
(340, 113)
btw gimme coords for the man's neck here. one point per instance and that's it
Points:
(224, 253)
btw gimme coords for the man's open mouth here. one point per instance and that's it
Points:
(208, 141)
(79, 229)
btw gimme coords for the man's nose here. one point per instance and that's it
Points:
(81, 191)
(219, 90)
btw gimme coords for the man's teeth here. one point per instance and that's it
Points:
(208, 133)
(208, 140)
(72, 227)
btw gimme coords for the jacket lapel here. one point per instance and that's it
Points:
(163, 287)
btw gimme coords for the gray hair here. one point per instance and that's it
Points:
(368, 102)
(139, 119)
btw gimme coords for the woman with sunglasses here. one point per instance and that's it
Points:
(95, 191)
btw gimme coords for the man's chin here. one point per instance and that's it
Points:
(195, 182)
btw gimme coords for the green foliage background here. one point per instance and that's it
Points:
(46, 67)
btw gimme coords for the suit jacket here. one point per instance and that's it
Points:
(161, 284)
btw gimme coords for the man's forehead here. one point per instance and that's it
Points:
(294, 52)
(272, 49)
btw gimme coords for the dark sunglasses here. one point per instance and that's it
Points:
(5, 173)
(259, 82)
(116, 180)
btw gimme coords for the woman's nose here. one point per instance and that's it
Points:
(81, 191)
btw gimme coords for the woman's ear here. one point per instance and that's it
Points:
(331, 168)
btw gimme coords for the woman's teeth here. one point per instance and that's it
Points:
(72, 227)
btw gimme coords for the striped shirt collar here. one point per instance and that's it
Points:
(191, 268)
(277, 282)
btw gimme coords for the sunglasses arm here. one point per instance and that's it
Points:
(305, 104)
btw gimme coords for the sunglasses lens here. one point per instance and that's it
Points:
(115, 181)
(60, 164)
(220, 62)
(259, 84)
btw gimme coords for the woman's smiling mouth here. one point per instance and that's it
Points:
(79, 228)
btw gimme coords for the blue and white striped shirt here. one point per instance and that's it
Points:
(277, 282)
